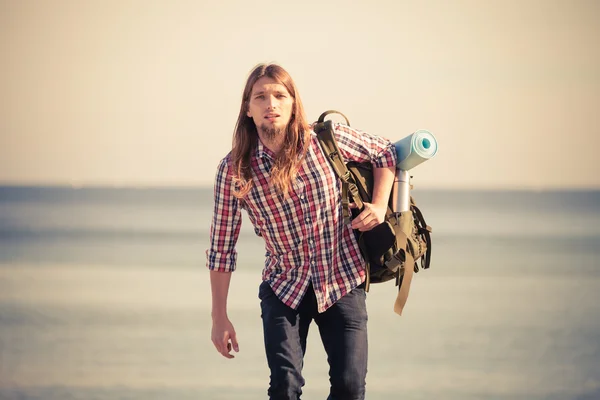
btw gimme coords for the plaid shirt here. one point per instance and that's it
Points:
(306, 239)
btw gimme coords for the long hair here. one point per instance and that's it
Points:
(245, 138)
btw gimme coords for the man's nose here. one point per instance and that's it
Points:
(272, 102)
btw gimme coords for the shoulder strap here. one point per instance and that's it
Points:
(325, 134)
(326, 113)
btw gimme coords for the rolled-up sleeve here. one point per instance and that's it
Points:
(226, 222)
(361, 146)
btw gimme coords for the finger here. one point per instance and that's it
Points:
(359, 220)
(368, 224)
(219, 347)
(226, 346)
(368, 227)
(352, 205)
(225, 353)
(364, 214)
(362, 220)
(234, 341)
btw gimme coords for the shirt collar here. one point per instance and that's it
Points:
(263, 151)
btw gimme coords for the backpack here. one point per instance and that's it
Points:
(391, 249)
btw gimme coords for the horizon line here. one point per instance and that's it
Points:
(500, 188)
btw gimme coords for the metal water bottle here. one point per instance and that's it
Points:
(402, 188)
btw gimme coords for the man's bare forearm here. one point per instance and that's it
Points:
(219, 285)
(383, 180)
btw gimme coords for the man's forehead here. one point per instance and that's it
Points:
(268, 85)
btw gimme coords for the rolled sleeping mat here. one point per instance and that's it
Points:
(415, 148)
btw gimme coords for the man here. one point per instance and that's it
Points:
(313, 270)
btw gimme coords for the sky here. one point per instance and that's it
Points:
(146, 93)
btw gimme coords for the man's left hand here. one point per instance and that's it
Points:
(371, 216)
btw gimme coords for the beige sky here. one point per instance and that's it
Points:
(147, 92)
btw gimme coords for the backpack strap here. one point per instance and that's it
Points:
(325, 135)
(403, 259)
(326, 113)
(425, 231)
(404, 288)
(396, 260)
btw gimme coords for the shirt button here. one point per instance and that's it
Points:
(308, 220)
(301, 197)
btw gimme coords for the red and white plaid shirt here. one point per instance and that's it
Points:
(306, 239)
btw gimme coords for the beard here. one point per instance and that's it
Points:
(271, 132)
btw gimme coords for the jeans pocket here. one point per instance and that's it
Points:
(265, 291)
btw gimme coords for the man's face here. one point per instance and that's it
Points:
(270, 107)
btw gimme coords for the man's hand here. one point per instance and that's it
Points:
(371, 216)
(224, 337)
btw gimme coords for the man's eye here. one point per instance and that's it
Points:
(281, 96)
(260, 96)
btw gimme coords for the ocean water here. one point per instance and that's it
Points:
(104, 294)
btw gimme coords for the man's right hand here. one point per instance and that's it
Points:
(224, 337)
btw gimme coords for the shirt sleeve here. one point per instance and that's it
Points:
(361, 146)
(226, 222)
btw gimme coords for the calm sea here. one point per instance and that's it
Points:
(104, 294)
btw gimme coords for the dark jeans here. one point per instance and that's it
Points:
(343, 329)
